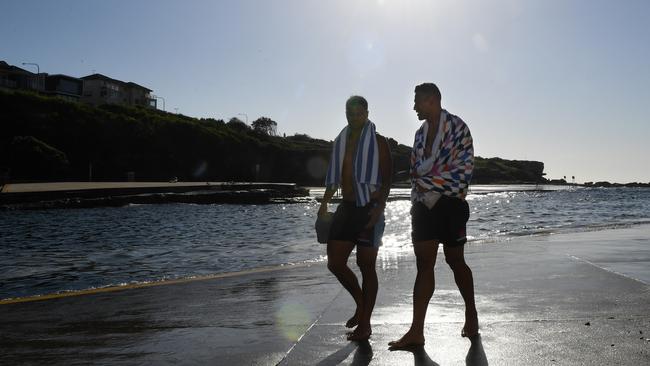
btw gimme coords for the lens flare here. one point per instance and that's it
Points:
(292, 319)
(317, 167)
(200, 169)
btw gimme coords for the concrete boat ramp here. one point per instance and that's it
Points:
(571, 299)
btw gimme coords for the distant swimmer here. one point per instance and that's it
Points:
(442, 161)
(361, 166)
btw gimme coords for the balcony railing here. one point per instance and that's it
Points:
(8, 83)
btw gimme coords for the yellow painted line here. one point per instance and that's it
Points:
(150, 284)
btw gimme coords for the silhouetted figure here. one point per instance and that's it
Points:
(442, 161)
(361, 166)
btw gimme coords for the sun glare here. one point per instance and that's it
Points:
(411, 9)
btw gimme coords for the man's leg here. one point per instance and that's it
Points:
(338, 253)
(366, 260)
(455, 257)
(425, 254)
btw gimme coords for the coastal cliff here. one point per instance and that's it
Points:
(49, 139)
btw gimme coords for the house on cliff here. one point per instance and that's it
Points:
(100, 89)
(64, 86)
(95, 89)
(13, 78)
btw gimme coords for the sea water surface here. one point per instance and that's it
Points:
(50, 251)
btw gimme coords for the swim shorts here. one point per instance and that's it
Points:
(349, 225)
(445, 222)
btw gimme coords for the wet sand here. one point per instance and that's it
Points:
(574, 299)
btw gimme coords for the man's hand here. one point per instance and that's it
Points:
(374, 214)
(323, 209)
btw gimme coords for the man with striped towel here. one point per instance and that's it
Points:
(361, 166)
(442, 161)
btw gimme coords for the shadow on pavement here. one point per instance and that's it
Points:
(362, 356)
(476, 355)
(420, 357)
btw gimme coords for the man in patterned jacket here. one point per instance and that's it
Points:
(442, 161)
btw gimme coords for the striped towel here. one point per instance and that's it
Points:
(365, 165)
(450, 170)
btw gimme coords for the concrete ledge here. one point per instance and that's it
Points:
(562, 299)
(80, 194)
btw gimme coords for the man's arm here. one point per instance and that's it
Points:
(386, 171)
(329, 192)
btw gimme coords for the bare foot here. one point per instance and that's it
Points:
(360, 334)
(409, 340)
(470, 329)
(354, 321)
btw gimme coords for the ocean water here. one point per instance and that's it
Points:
(50, 251)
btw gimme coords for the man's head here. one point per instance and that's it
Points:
(356, 111)
(427, 101)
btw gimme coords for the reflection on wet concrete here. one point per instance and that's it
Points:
(533, 300)
(222, 321)
(67, 331)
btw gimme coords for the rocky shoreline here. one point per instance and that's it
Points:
(235, 193)
(616, 185)
(215, 193)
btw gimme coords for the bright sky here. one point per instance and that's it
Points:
(565, 82)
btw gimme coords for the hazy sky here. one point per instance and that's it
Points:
(562, 82)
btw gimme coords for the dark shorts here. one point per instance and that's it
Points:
(444, 222)
(349, 224)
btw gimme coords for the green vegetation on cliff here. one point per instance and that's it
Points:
(43, 138)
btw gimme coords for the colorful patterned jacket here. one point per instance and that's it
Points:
(449, 170)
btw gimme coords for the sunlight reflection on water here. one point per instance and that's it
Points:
(46, 251)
